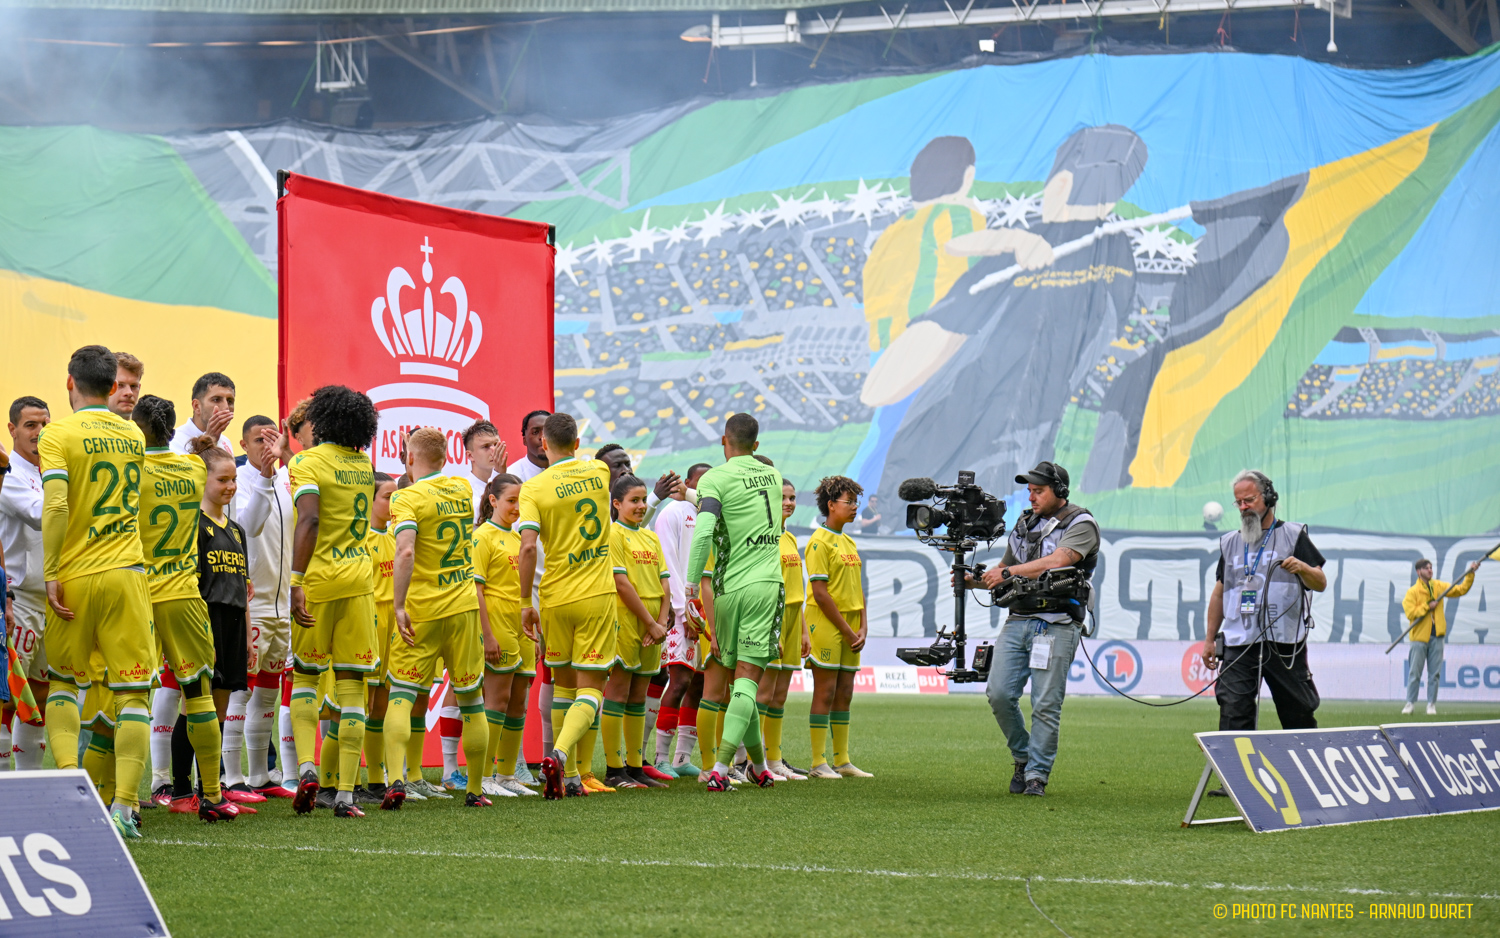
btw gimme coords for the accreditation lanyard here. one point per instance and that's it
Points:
(1249, 599)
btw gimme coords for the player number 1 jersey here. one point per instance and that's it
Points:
(747, 533)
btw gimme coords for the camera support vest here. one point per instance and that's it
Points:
(1033, 538)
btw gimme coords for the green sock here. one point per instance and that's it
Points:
(741, 724)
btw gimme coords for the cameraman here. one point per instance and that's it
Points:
(1266, 570)
(1034, 645)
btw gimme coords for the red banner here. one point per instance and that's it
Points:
(441, 316)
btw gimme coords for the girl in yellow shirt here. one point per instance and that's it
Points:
(836, 624)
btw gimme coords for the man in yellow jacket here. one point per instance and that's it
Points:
(1429, 631)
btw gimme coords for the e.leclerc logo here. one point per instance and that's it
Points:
(1119, 666)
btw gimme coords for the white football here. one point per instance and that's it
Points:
(1212, 512)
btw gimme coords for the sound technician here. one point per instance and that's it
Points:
(1262, 605)
(1038, 646)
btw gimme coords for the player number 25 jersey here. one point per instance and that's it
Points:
(567, 504)
(344, 482)
(100, 456)
(440, 509)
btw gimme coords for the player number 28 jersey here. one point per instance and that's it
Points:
(344, 482)
(440, 509)
(171, 495)
(567, 504)
(100, 456)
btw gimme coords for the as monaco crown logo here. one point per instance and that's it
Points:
(424, 338)
(431, 340)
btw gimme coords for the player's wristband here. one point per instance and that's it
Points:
(297, 579)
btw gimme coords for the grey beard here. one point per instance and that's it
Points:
(1250, 528)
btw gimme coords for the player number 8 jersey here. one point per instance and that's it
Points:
(344, 482)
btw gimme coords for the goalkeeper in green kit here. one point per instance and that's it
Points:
(739, 520)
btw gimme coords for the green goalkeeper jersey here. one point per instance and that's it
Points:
(744, 498)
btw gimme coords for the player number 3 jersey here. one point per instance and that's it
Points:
(440, 510)
(567, 504)
(344, 482)
(100, 456)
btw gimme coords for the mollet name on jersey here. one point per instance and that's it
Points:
(356, 551)
(456, 576)
(165, 487)
(109, 444)
(114, 529)
(763, 540)
(456, 507)
(759, 482)
(591, 553)
(354, 476)
(579, 486)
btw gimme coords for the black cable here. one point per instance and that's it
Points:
(1040, 912)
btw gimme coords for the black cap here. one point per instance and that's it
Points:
(1045, 473)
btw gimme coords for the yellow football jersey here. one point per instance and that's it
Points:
(497, 553)
(833, 558)
(791, 569)
(382, 547)
(100, 456)
(171, 496)
(344, 482)
(567, 504)
(440, 509)
(636, 552)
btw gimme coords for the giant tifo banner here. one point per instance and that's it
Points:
(907, 275)
(341, 246)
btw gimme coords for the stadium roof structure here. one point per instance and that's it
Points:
(413, 7)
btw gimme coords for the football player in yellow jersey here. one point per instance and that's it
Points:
(437, 612)
(566, 506)
(795, 645)
(333, 584)
(94, 569)
(509, 656)
(171, 495)
(381, 543)
(836, 624)
(643, 612)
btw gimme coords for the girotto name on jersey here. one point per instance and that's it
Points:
(588, 484)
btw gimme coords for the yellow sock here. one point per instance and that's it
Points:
(613, 726)
(416, 745)
(511, 737)
(771, 732)
(582, 713)
(562, 702)
(397, 731)
(635, 732)
(132, 741)
(328, 757)
(207, 740)
(304, 709)
(63, 724)
(351, 730)
(587, 744)
(99, 762)
(475, 739)
(496, 721)
(708, 720)
(719, 728)
(375, 749)
(818, 724)
(838, 723)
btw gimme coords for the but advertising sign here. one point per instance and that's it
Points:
(441, 316)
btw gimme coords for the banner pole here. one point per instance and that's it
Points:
(1187, 819)
(1433, 611)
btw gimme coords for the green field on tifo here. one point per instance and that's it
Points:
(933, 845)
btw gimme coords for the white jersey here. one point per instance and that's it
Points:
(187, 433)
(524, 468)
(264, 508)
(478, 487)
(674, 528)
(21, 527)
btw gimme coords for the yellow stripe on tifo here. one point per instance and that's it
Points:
(43, 321)
(1196, 377)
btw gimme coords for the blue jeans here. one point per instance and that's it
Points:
(1009, 673)
(1429, 653)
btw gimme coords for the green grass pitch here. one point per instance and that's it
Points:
(933, 845)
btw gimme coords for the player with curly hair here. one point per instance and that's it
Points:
(333, 584)
(836, 624)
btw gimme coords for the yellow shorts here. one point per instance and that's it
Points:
(705, 651)
(634, 657)
(505, 625)
(385, 631)
(829, 649)
(581, 634)
(111, 612)
(455, 638)
(328, 697)
(790, 658)
(98, 712)
(186, 640)
(342, 636)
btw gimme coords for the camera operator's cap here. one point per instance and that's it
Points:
(1045, 473)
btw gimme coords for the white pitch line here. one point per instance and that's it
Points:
(808, 868)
